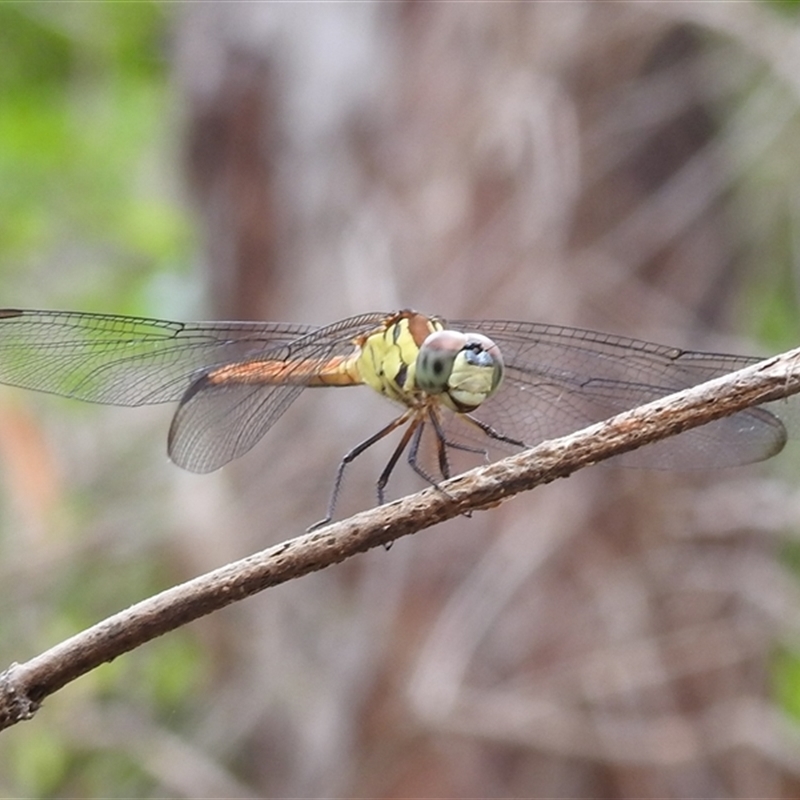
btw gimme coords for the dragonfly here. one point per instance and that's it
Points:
(482, 388)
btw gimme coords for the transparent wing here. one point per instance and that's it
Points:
(220, 421)
(119, 360)
(218, 424)
(559, 379)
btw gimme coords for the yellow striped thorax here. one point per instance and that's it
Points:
(413, 357)
(388, 358)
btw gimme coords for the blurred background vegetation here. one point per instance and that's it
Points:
(629, 167)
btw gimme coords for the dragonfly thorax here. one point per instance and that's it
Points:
(414, 359)
(465, 369)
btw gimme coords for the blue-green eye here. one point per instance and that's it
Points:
(466, 368)
(436, 358)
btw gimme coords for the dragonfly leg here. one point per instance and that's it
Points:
(441, 446)
(415, 430)
(441, 451)
(492, 433)
(444, 442)
(349, 457)
(413, 451)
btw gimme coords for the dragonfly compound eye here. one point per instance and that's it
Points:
(466, 368)
(436, 358)
(476, 373)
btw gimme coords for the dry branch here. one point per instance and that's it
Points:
(23, 687)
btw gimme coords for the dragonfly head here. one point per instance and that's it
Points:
(465, 368)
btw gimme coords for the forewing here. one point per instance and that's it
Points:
(217, 422)
(560, 379)
(120, 360)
